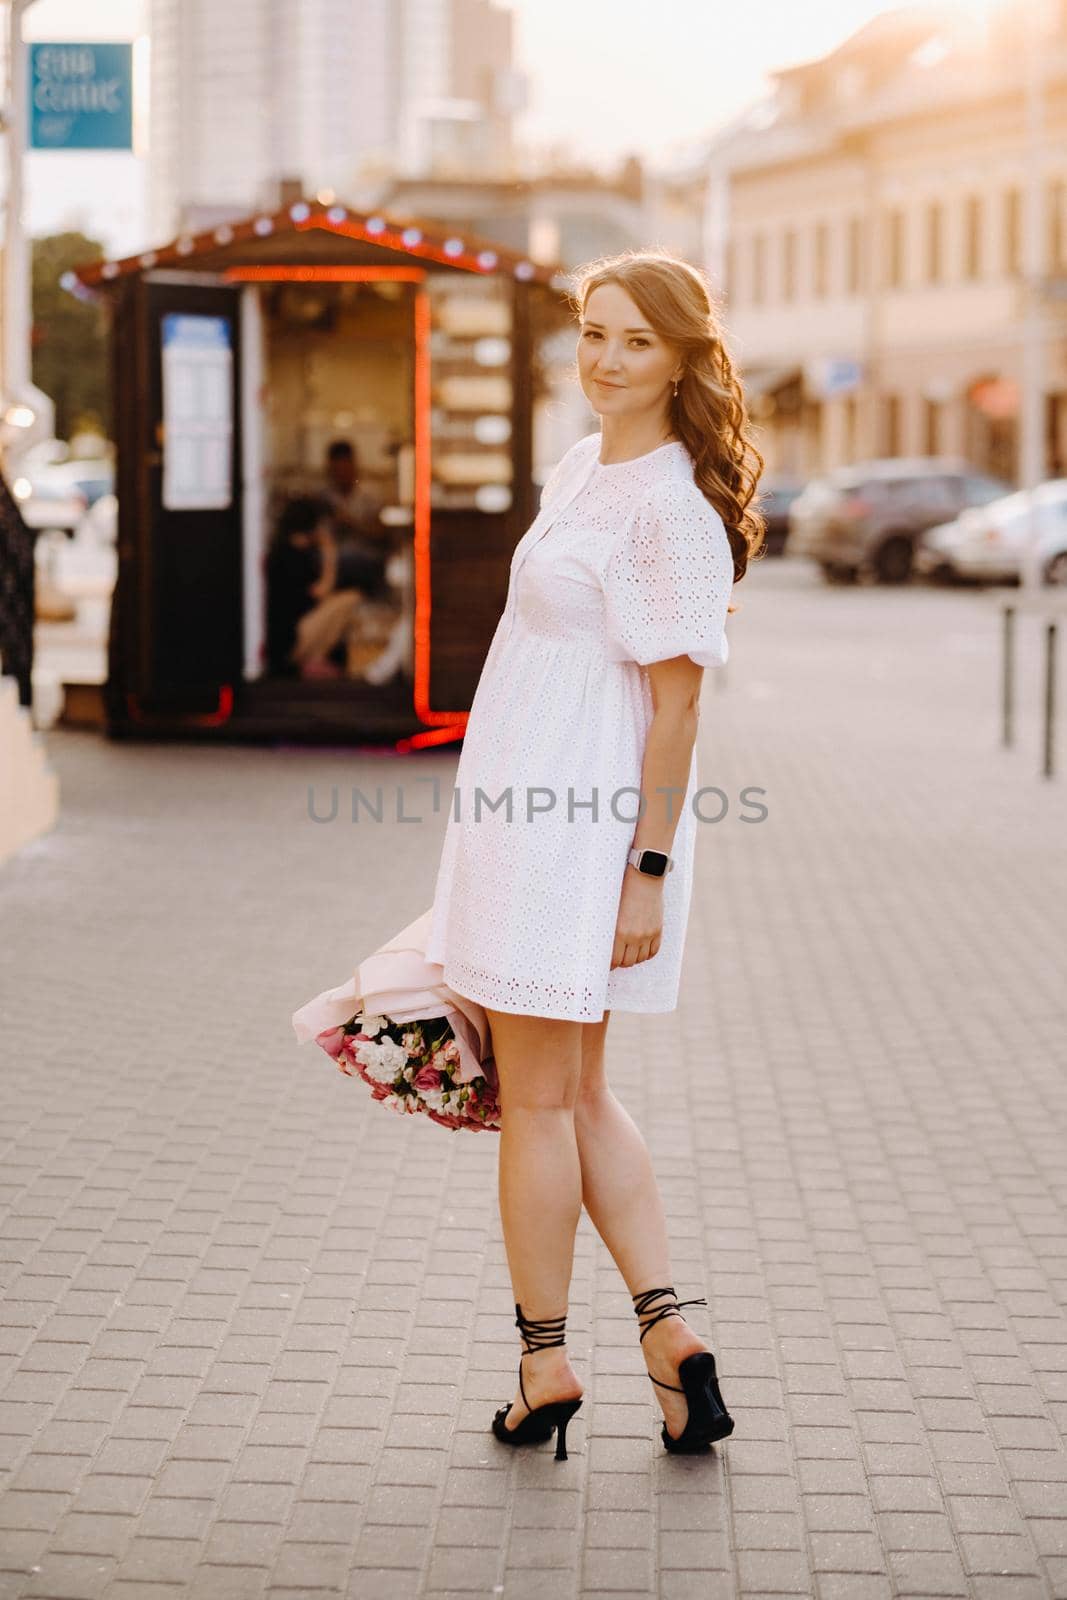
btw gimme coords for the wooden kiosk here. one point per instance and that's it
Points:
(239, 355)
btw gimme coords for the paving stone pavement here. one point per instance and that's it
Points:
(255, 1327)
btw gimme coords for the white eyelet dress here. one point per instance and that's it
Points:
(625, 564)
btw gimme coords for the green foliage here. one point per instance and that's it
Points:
(69, 338)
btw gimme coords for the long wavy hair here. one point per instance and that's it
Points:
(708, 413)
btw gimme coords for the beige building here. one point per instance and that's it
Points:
(869, 225)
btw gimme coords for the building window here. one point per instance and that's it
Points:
(852, 418)
(932, 427)
(822, 259)
(759, 269)
(935, 228)
(1013, 233)
(855, 255)
(789, 264)
(1057, 242)
(895, 249)
(972, 237)
(815, 446)
(890, 424)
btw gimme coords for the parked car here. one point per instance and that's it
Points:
(58, 495)
(866, 518)
(990, 543)
(774, 500)
(49, 505)
(100, 523)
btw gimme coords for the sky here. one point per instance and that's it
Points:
(598, 70)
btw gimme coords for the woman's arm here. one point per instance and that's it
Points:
(675, 686)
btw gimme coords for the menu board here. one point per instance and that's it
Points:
(471, 356)
(197, 412)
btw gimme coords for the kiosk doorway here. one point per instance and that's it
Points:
(332, 432)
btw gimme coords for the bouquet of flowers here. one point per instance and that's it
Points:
(414, 1066)
(416, 1044)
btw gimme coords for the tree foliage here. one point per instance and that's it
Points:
(69, 336)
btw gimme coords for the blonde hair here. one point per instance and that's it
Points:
(708, 413)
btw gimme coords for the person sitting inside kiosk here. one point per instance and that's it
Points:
(309, 610)
(356, 513)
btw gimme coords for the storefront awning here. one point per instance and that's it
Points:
(768, 380)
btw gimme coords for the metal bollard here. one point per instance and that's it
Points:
(1050, 699)
(1008, 678)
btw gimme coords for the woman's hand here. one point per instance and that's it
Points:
(639, 926)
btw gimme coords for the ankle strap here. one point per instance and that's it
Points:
(540, 1335)
(643, 1302)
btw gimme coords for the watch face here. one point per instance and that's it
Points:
(653, 863)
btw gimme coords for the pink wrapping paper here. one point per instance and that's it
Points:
(397, 981)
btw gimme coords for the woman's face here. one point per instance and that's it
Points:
(625, 369)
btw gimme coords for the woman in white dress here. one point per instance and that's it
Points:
(565, 878)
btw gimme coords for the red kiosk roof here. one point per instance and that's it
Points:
(420, 240)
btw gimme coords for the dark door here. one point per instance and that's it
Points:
(178, 391)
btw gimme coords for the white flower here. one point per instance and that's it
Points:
(393, 1055)
(376, 1060)
(373, 1025)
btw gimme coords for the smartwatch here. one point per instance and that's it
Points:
(653, 863)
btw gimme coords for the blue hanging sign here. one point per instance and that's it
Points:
(81, 96)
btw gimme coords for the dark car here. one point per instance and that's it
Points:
(774, 500)
(866, 518)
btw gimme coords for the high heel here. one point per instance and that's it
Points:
(540, 1424)
(708, 1417)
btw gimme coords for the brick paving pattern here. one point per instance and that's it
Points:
(255, 1328)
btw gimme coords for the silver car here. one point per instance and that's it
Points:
(991, 544)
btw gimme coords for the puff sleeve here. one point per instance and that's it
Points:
(668, 581)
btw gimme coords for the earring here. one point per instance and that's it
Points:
(676, 381)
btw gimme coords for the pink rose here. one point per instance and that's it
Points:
(427, 1077)
(332, 1041)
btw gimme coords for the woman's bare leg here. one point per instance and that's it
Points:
(622, 1197)
(539, 1061)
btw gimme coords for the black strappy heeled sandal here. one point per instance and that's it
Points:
(708, 1417)
(539, 1425)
